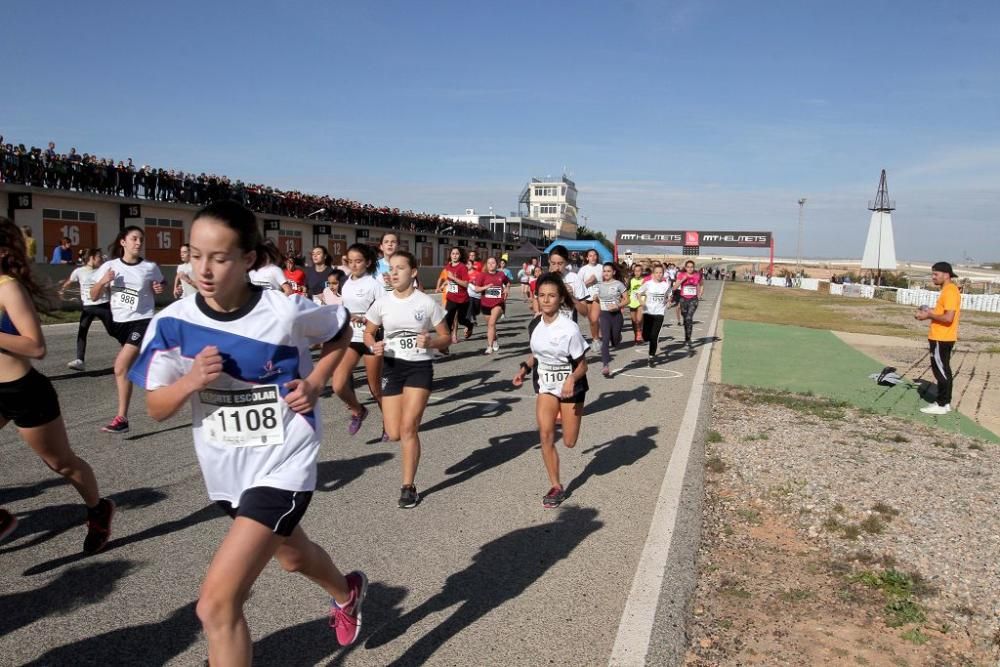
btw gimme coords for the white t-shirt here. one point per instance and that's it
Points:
(657, 294)
(586, 271)
(187, 289)
(131, 289)
(245, 435)
(84, 275)
(358, 295)
(268, 277)
(576, 290)
(558, 348)
(403, 319)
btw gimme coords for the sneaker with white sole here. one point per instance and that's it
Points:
(346, 621)
(76, 365)
(935, 409)
(488, 350)
(496, 346)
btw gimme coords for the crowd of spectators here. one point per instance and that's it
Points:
(48, 168)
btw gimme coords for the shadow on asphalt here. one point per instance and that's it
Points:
(621, 452)
(336, 474)
(465, 412)
(454, 381)
(53, 520)
(312, 643)
(142, 436)
(74, 588)
(148, 644)
(609, 400)
(501, 571)
(11, 494)
(206, 513)
(83, 374)
(500, 450)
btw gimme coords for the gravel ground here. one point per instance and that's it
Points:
(812, 507)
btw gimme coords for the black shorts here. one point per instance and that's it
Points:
(29, 401)
(131, 333)
(361, 348)
(676, 295)
(277, 509)
(398, 373)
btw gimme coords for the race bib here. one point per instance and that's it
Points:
(357, 331)
(403, 345)
(494, 292)
(653, 296)
(551, 377)
(689, 290)
(608, 304)
(243, 417)
(453, 288)
(125, 299)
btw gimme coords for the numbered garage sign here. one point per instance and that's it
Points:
(80, 227)
(164, 238)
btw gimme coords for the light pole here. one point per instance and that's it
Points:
(798, 249)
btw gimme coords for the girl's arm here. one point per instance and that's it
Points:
(29, 342)
(305, 392)
(522, 371)
(569, 386)
(438, 342)
(164, 402)
(377, 347)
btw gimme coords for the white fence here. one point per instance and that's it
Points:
(779, 281)
(984, 303)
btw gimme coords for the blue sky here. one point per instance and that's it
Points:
(669, 115)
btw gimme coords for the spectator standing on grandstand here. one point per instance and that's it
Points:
(942, 335)
(63, 253)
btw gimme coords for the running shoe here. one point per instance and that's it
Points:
(496, 346)
(357, 421)
(468, 333)
(553, 498)
(595, 345)
(606, 371)
(98, 526)
(489, 349)
(76, 365)
(652, 361)
(346, 621)
(117, 425)
(935, 409)
(408, 497)
(385, 436)
(8, 524)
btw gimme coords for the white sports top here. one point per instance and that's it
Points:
(657, 294)
(245, 435)
(131, 289)
(358, 295)
(84, 275)
(268, 277)
(403, 319)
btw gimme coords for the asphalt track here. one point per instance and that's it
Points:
(478, 574)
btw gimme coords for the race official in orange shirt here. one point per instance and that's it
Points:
(942, 335)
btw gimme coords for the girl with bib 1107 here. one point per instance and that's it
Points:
(558, 368)
(239, 355)
(413, 324)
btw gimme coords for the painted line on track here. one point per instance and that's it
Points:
(673, 375)
(636, 626)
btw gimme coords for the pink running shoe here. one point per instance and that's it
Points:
(346, 620)
(357, 421)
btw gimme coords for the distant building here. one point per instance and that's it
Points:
(522, 227)
(552, 201)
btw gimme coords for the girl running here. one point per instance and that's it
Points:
(183, 285)
(653, 296)
(359, 292)
(317, 272)
(591, 274)
(558, 263)
(240, 356)
(690, 285)
(635, 308)
(92, 308)
(408, 318)
(133, 282)
(387, 246)
(28, 399)
(612, 297)
(491, 287)
(474, 306)
(268, 275)
(295, 276)
(331, 295)
(458, 296)
(558, 367)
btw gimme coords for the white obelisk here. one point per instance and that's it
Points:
(880, 249)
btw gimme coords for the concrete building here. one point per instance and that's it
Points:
(523, 228)
(552, 201)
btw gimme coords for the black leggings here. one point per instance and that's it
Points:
(101, 312)
(688, 306)
(459, 310)
(941, 366)
(651, 325)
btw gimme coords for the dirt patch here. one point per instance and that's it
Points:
(835, 537)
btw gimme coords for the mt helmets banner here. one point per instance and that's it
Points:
(651, 237)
